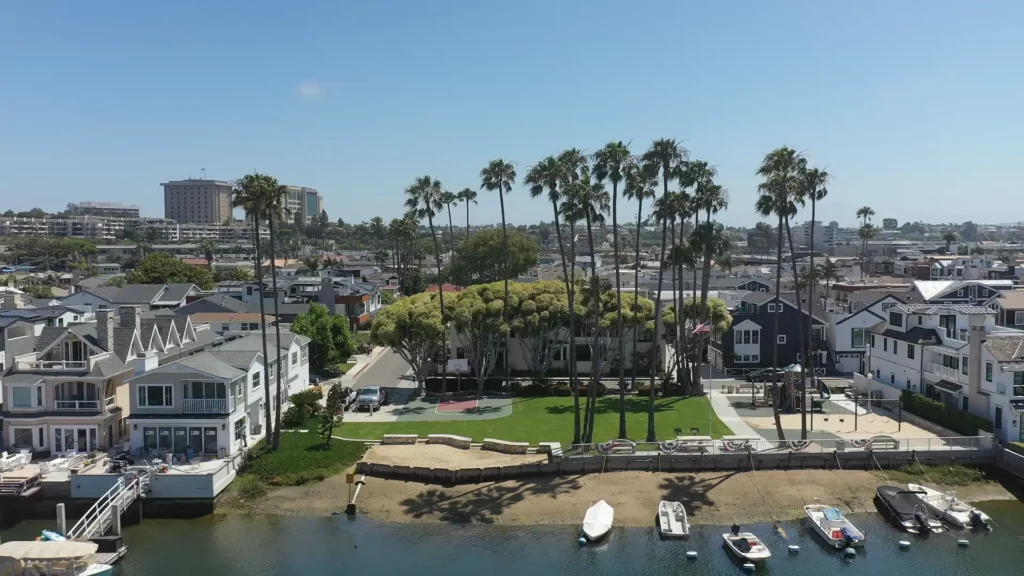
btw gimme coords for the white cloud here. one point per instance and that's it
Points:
(310, 90)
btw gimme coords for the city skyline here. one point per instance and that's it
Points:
(908, 106)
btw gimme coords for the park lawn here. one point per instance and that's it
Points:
(551, 420)
(345, 367)
(302, 458)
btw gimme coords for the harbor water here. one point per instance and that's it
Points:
(237, 545)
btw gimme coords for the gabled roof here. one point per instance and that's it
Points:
(867, 308)
(916, 335)
(175, 293)
(1008, 300)
(1006, 348)
(760, 298)
(943, 309)
(138, 294)
(217, 303)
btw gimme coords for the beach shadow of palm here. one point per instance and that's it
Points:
(484, 410)
(692, 491)
(610, 405)
(481, 505)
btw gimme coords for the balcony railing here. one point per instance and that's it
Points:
(86, 405)
(208, 406)
(54, 365)
(951, 374)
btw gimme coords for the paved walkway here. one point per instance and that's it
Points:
(727, 414)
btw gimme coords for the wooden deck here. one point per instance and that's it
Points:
(21, 487)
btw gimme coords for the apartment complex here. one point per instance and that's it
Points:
(113, 209)
(91, 227)
(304, 202)
(824, 236)
(167, 231)
(197, 201)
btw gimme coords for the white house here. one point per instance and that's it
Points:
(850, 334)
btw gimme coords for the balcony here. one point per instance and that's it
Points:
(54, 366)
(208, 406)
(951, 374)
(77, 405)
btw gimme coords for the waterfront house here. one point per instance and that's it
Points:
(958, 291)
(1009, 307)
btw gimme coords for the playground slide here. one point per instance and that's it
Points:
(824, 391)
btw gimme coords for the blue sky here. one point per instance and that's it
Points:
(914, 107)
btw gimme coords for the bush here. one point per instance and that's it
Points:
(433, 384)
(309, 399)
(1017, 447)
(250, 487)
(584, 389)
(331, 371)
(295, 416)
(644, 390)
(944, 415)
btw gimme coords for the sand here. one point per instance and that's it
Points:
(441, 456)
(867, 425)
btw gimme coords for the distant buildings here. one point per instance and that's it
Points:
(114, 209)
(198, 201)
(82, 227)
(306, 203)
(824, 236)
(890, 224)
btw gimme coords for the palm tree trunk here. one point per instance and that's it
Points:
(808, 359)
(595, 351)
(800, 334)
(618, 304)
(277, 332)
(467, 220)
(263, 329)
(636, 290)
(504, 274)
(651, 434)
(444, 332)
(576, 438)
(705, 284)
(451, 233)
(677, 281)
(775, 338)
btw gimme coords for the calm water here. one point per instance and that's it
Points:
(280, 546)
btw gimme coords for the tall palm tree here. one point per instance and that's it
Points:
(377, 227)
(209, 247)
(424, 200)
(864, 213)
(775, 198)
(710, 198)
(549, 174)
(662, 213)
(276, 209)
(867, 232)
(610, 163)
(829, 273)
(641, 184)
(467, 196)
(250, 194)
(766, 232)
(949, 237)
(666, 154)
(591, 199)
(499, 176)
(311, 264)
(681, 208)
(449, 199)
(814, 184)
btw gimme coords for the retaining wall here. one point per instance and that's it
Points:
(682, 463)
(1011, 462)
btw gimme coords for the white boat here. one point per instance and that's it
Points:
(835, 528)
(952, 509)
(746, 546)
(45, 557)
(672, 520)
(598, 521)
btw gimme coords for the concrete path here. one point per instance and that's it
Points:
(727, 414)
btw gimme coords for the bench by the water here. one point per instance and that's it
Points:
(399, 439)
(450, 440)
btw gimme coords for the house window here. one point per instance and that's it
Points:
(963, 365)
(755, 358)
(1018, 318)
(781, 339)
(240, 428)
(739, 337)
(858, 337)
(755, 337)
(21, 397)
(999, 418)
(988, 371)
(255, 380)
(771, 307)
(878, 374)
(872, 340)
(271, 370)
(908, 383)
(910, 351)
(959, 293)
(248, 290)
(746, 336)
(896, 319)
(892, 378)
(887, 305)
(1018, 383)
(225, 327)
(156, 395)
(920, 320)
(23, 438)
(885, 344)
(295, 358)
(305, 353)
(895, 347)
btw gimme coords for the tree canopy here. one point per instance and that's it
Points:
(478, 259)
(477, 314)
(330, 339)
(162, 268)
(411, 327)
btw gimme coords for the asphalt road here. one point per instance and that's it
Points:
(389, 370)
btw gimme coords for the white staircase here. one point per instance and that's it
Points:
(99, 517)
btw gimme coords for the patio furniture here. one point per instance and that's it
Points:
(695, 443)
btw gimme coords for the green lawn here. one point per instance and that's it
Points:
(551, 420)
(346, 366)
(302, 458)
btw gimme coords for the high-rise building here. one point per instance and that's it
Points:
(890, 223)
(824, 236)
(114, 209)
(303, 203)
(199, 201)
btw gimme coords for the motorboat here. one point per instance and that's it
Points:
(598, 521)
(746, 546)
(909, 510)
(952, 509)
(835, 528)
(672, 520)
(62, 557)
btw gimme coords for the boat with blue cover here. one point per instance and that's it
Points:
(835, 528)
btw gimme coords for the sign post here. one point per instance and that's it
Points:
(350, 479)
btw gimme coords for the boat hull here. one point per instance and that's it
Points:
(952, 510)
(598, 521)
(758, 553)
(908, 510)
(672, 520)
(816, 515)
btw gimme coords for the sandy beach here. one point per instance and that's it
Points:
(719, 498)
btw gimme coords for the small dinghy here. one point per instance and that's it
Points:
(908, 510)
(835, 528)
(746, 546)
(952, 509)
(598, 521)
(672, 520)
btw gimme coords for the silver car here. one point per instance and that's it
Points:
(372, 398)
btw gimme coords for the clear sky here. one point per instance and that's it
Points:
(916, 108)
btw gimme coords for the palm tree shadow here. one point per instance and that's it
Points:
(483, 504)
(692, 491)
(409, 410)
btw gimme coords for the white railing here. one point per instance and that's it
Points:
(208, 406)
(951, 374)
(77, 404)
(110, 402)
(877, 444)
(99, 517)
(54, 365)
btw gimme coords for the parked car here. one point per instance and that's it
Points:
(753, 374)
(769, 375)
(372, 398)
(314, 379)
(348, 397)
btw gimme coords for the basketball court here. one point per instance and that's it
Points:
(449, 405)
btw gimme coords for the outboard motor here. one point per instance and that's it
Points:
(922, 520)
(977, 521)
(735, 529)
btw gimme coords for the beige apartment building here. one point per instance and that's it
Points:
(197, 201)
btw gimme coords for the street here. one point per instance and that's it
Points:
(389, 370)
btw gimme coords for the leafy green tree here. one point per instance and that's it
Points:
(332, 414)
(330, 339)
(115, 281)
(411, 327)
(38, 292)
(233, 273)
(540, 319)
(475, 260)
(478, 317)
(162, 268)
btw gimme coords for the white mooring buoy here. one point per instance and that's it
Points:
(904, 544)
(582, 541)
(963, 542)
(748, 566)
(793, 548)
(691, 554)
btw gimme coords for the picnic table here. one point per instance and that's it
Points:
(695, 443)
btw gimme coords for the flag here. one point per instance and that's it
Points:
(704, 328)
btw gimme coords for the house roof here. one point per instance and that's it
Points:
(210, 364)
(1010, 299)
(241, 359)
(915, 335)
(789, 298)
(949, 386)
(1006, 349)
(137, 294)
(175, 293)
(446, 288)
(229, 317)
(942, 309)
(217, 303)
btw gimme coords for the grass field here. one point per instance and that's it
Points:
(551, 420)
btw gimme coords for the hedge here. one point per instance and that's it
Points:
(944, 415)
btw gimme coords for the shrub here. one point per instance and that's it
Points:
(644, 390)
(1017, 447)
(250, 487)
(295, 416)
(331, 371)
(310, 399)
(584, 389)
(944, 415)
